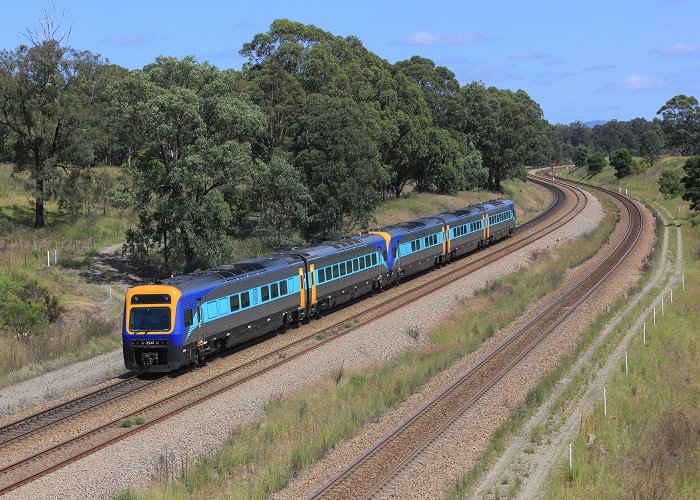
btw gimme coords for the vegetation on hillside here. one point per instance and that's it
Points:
(331, 126)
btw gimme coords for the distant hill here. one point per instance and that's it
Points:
(593, 123)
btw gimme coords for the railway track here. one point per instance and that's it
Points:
(74, 407)
(372, 473)
(36, 465)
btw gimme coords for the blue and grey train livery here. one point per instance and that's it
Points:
(179, 321)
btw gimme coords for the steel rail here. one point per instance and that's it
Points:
(396, 302)
(376, 466)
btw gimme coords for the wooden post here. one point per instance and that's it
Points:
(626, 370)
(644, 338)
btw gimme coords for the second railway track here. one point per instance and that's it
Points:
(47, 460)
(372, 472)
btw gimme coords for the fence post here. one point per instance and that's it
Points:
(644, 338)
(626, 370)
(48, 258)
(662, 306)
(683, 281)
(655, 316)
(571, 461)
(605, 403)
(671, 296)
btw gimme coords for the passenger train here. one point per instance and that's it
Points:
(177, 322)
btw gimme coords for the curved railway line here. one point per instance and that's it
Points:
(36, 465)
(374, 471)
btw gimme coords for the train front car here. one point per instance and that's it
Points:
(153, 328)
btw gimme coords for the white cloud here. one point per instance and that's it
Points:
(635, 82)
(682, 49)
(426, 38)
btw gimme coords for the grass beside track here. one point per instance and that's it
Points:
(648, 446)
(301, 427)
(508, 429)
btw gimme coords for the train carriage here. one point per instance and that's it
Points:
(176, 322)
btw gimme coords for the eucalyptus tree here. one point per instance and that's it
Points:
(681, 123)
(48, 109)
(191, 135)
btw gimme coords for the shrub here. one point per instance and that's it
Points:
(596, 163)
(621, 160)
(671, 184)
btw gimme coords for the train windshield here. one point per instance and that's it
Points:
(149, 319)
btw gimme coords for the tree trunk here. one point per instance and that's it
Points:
(39, 205)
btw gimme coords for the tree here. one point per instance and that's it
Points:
(441, 163)
(581, 155)
(439, 87)
(336, 149)
(652, 145)
(596, 163)
(47, 110)
(621, 160)
(681, 123)
(519, 134)
(691, 182)
(282, 200)
(671, 184)
(191, 135)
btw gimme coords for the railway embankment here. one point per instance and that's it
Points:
(247, 403)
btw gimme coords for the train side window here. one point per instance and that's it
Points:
(374, 259)
(274, 290)
(320, 276)
(188, 317)
(335, 271)
(245, 300)
(264, 293)
(283, 287)
(361, 262)
(351, 266)
(343, 270)
(235, 303)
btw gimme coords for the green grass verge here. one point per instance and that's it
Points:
(648, 446)
(501, 437)
(299, 428)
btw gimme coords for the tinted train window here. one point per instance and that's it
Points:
(283, 287)
(235, 303)
(245, 299)
(343, 271)
(374, 259)
(188, 317)
(149, 319)
(264, 293)
(274, 290)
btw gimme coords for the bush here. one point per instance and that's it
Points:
(5, 226)
(621, 160)
(671, 184)
(596, 163)
(27, 307)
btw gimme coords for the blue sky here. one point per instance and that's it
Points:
(581, 60)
